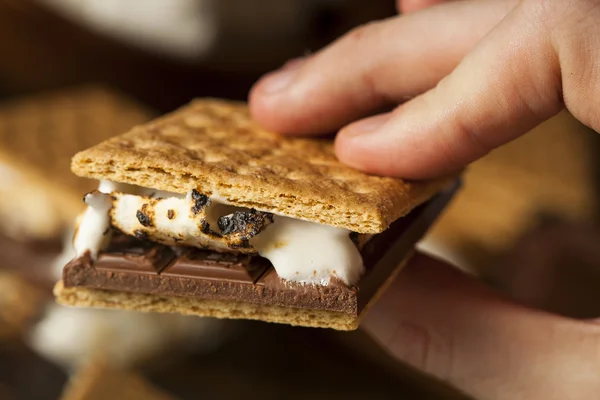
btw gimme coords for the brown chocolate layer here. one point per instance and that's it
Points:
(135, 266)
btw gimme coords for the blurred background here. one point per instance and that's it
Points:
(73, 72)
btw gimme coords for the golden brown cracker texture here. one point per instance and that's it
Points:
(215, 147)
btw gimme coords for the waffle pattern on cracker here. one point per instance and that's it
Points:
(215, 147)
(39, 134)
(43, 132)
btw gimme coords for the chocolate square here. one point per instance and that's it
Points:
(208, 265)
(131, 255)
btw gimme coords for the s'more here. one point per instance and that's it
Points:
(204, 212)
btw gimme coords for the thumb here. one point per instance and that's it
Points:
(507, 85)
(450, 326)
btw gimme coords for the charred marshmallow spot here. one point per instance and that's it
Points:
(200, 201)
(144, 216)
(245, 223)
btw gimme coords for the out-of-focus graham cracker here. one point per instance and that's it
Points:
(40, 133)
(97, 381)
(215, 147)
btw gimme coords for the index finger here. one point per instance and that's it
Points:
(378, 64)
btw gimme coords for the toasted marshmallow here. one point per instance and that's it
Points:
(300, 251)
(307, 252)
(185, 221)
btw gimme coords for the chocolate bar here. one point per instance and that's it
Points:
(133, 265)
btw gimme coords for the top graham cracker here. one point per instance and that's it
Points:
(215, 147)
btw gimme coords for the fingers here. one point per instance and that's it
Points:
(448, 325)
(406, 6)
(380, 63)
(507, 85)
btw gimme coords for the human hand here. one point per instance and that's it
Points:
(477, 73)
(472, 74)
(455, 328)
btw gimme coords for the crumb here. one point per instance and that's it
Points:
(171, 214)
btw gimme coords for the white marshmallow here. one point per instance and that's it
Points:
(93, 232)
(308, 252)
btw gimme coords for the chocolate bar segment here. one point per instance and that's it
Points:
(242, 278)
(215, 266)
(134, 256)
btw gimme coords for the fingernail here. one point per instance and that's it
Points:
(367, 125)
(277, 81)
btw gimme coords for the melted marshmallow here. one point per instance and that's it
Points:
(308, 252)
(300, 251)
(181, 225)
(93, 233)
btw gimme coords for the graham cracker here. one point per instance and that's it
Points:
(98, 381)
(20, 303)
(215, 147)
(223, 309)
(38, 136)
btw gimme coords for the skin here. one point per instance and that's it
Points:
(465, 77)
